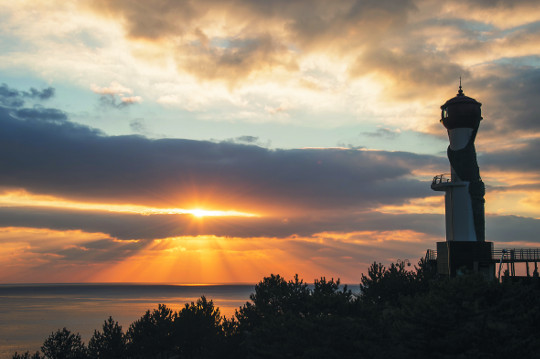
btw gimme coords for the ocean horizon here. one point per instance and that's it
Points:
(29, 313)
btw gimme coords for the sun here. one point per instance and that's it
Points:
(199, 213)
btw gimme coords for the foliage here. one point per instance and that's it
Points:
(383, 285)
(293, 319)
(63, 344)
(198, 330)
(27, 355)
(397, 313)
(468, 317)
(151, 335)
(111, 343)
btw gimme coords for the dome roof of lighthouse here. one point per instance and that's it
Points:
(461, 112)
(460, 98)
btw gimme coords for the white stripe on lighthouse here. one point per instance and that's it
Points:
(459, 137)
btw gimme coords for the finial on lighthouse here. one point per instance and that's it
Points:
(460, 92)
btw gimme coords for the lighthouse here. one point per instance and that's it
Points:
(465, 248)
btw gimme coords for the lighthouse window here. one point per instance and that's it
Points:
(445, 113)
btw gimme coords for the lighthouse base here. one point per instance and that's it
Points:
(455, 258)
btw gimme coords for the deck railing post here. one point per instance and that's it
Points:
(513, 253)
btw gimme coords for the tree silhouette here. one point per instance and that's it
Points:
(62, 344)
(383, 285)
(468, 317)
(288, 319)
(327, 298)
(398, 313)
(152, 335)
(274, 296)
(198, 330)
(111, 343)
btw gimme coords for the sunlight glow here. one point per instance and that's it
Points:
(202, 213)
(22, 198)
(432, 204)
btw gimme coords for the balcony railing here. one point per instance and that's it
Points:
(517, 254)
(442, 178)
(431, 255)
(507, 255)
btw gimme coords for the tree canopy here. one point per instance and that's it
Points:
(396, 313)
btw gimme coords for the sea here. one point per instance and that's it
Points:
(29, 313)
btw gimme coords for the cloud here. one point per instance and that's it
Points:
(114, 89)
(216, 40)
(234, 59)
(129, 227)
(138, 126)
(114, 101)
(41, 114)
(511, 103)
(73, 161)
(305, 19)
(503, 14)
(409, 51)
(521, 158)
(131, 100)
(512, 229)
(247, 139)
(115, 95)
(125, 226)
(10, 97)
(13, 98)
(383, 132)
(90, 257)
(44, 94)
(297, 191)
(410, 73)
(413, 51)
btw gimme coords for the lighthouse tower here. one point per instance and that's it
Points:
(465, 248)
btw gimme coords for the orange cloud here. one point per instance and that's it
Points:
(503, 14)
(433, 204)
(35, 255)
(56, 256)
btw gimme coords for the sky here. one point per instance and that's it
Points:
(220, 141)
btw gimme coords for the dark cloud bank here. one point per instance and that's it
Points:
(305, 191)
(133, 226)
(148, 227)
(43, 152)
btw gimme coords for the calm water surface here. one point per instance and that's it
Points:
(30, 313)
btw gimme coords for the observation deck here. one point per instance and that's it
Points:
(510, 256)
(517, 255)
(443, 181)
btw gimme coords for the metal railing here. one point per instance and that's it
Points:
(517, 254)
(442, 178)
(507, 255)
(431, 255)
